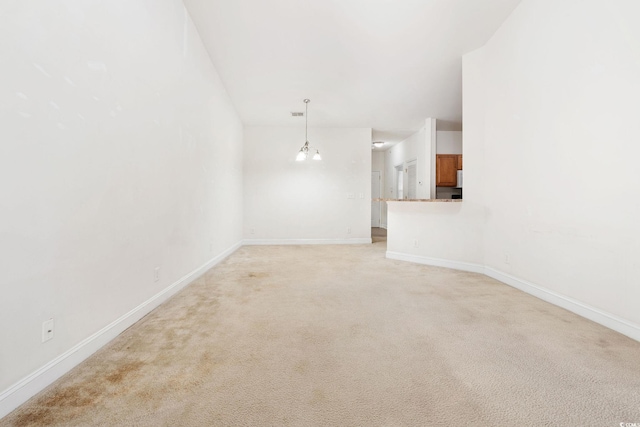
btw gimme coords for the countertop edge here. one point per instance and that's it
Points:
(419, 200)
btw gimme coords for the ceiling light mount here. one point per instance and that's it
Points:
(303, 154)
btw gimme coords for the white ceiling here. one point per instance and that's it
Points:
(384, 64)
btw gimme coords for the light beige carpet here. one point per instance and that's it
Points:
(378, 234)
(340, 336)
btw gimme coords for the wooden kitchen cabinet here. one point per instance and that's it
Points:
(459, 162)
(447, 169)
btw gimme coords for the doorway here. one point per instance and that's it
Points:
(375, 194)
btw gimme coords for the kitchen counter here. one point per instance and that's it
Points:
(419, 200)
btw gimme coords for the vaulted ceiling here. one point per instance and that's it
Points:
(384, 64)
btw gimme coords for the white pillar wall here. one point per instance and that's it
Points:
(550, 158)
(120, 175)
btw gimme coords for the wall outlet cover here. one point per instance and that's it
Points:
(47, 330)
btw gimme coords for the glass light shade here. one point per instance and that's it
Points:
(317, 156)
(301, 156)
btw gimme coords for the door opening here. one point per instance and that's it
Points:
(375, 194)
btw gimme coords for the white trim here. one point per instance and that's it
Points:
(437, 262)
(602, 317)
(355, 241)
(632, 330)
(38, 380)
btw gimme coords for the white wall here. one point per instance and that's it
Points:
(398, 155)
(377, 164)
(288, 201)
(377, 161)
(448, 234)
(552, 102)
(428, 175)
(120, 152)
(561, 149)
(420, 147)
(448, 142)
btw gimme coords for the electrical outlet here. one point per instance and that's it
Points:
(156, 274)
(361, 195)
(47, 330)
(415, 243)
(210, 247)
(348, 230)
(506, 259)
(252, 231)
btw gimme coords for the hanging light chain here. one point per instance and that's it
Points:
(303, 154)
(306, 119)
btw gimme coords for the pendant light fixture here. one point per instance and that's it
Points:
(303, 154)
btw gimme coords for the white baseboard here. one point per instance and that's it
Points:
(37, 381)
(354, 241)
(608, 320)
(436, 262)
(581, 309)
